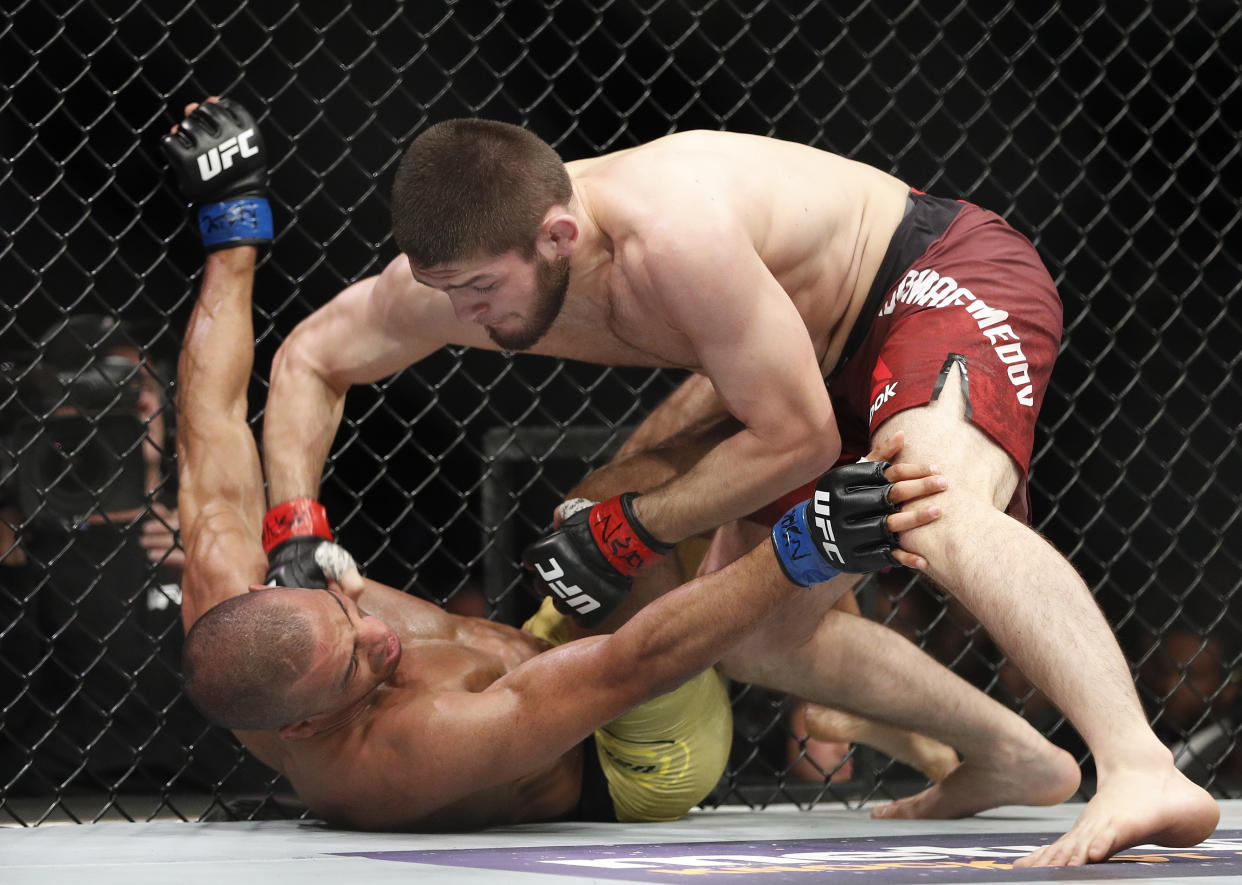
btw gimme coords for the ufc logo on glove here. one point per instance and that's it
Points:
(823, 522)
(214, 161)
(582, 604)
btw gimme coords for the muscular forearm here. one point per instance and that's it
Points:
(369, 331)
(692, 627)
(215, 363)
(301, 420)
(643, 469)
(736, 477)
(669, 442)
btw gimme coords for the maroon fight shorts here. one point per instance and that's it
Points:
(957, 285)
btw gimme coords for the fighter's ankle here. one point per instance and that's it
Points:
(1145, 760)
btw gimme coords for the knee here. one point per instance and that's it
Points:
(963, 516)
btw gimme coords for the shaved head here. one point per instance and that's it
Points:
(242, 658)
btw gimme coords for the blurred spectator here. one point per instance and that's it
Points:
(90, 568)
(1192, 695)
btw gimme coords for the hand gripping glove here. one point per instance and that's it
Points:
(220, 162)
(299, 548)
(589, 562)
(843, 527)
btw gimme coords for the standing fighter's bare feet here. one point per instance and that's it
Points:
(1133, 806)
(1041, 775)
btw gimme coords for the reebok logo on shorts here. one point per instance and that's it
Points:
(883, 387)
(927, 288)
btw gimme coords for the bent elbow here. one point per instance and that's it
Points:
(815, 447)
(299, 359)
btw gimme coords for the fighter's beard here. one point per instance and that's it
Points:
(551, 283)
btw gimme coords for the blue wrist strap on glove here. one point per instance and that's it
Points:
(235, 222)
(795, 550)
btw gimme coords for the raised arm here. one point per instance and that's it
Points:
(220, 484)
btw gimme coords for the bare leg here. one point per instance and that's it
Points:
(1042, 615)
(931, 757)
(846, 662)
(867, 670)
(826, 725)
(812, 756)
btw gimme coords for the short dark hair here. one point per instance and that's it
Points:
(241, 657)
(470, 187)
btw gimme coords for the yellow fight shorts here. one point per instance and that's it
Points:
(663, 757)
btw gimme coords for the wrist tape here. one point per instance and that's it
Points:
(621, 537)
(796, 552)
(236, 221)
(297, 518)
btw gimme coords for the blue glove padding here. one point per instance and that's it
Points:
(220, 161)
(800, 560)
(843, 527)
(243, 222)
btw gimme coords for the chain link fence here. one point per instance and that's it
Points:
(1108, 133)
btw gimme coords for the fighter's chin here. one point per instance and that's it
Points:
(521, 338)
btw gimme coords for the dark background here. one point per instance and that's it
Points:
(1108, 133)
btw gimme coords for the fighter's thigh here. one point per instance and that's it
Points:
(939, 433)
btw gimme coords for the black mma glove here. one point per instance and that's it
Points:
(299, 547)
(218, 157)
(589, 563)
(843, 527)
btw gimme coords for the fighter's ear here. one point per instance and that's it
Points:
(558, 234)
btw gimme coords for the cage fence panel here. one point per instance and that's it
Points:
(1106, 133)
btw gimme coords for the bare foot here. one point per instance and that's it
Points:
(1046, 776)
(1133, 807)
(929, 756)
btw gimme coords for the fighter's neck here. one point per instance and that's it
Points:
(594, 250)
(590, 265)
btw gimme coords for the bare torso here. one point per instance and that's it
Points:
(820, 224)
(346, 773)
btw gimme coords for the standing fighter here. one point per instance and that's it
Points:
(385, 711)
(768, 268)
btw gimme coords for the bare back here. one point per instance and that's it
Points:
(742, 258)
(818, 222)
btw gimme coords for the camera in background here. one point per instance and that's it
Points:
(71, 433)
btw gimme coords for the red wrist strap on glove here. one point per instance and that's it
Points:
(626, 545)
(297, 518)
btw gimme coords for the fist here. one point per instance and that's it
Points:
(220, 162)
(311, 562)
(573, 570)
(843, 527)
(589, 561)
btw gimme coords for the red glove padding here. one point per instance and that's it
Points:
(296, 518)
(626, 545)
